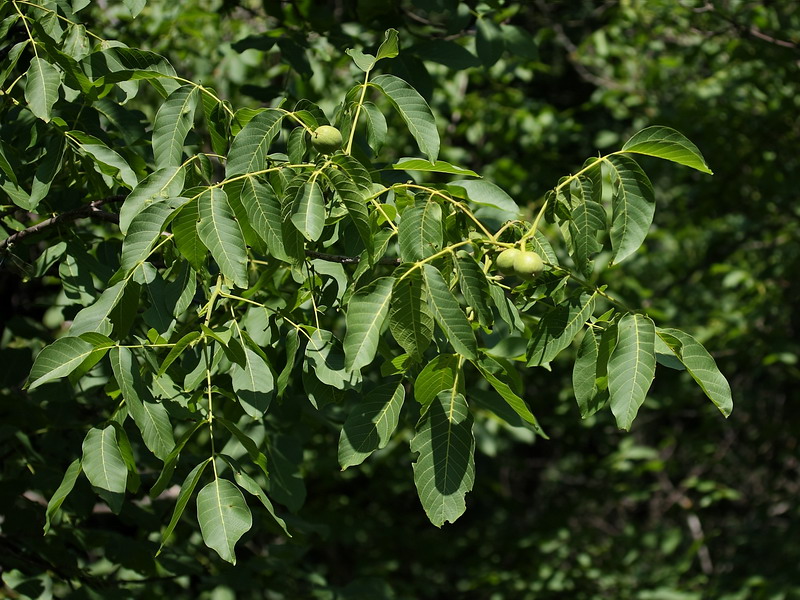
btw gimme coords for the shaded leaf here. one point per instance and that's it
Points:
(150, 416)
(444, 471)
(410, 319)
(370, 424)
(61, 493)
(558, 327)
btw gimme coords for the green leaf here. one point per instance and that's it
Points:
(187, 238)
(102, 345)
(177, 350)
(126, 452)
(701, 367)
(218, 121)
(47, 169)
(292, 341)
(251, 486)
(388, 48)
(540, 244)
(173, 121)
(370, 424)
(514, 401)
(144, 232)
(448, 314)
(590, 372)
(485, 193)
(250, 147)
(41, 88)
(410, 319)
(588, 219)
(247, 443)
(286, 482)
(264, 212)
(376, 126)
(445, 468)
(172, 458)
(420, 233)
(120, 64)
(666, 143)
(366, 314)
(58, 360)
(253, 383)
(489, 43)
(440, 166)
(105, 160)
(61, 493)
(506, 308)
(558, 327)
(631, 367)
(96, 317)
(326, 359)
(156, 187)
(474, 287)
(187, 488)
(354, 171)
(415, 112)
(150, 416)
(439, 374)
(224, 517)
(355, 204)
(633, 206)
(363, 60)
(220, 233)
(102, 461)
(134, 6)
(308, 211)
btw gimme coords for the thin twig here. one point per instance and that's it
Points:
(91, 210)
(348, 260)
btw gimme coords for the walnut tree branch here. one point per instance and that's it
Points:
(91, 210)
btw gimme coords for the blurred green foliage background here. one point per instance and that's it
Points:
(687, 505)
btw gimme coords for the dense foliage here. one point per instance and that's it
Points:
(245, 297)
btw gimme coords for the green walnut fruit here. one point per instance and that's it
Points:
(528, 264)
(326, 139)
(505, 262)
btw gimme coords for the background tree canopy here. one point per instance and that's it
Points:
(685, 505)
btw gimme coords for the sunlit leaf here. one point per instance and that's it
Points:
(414, 110)
(366, 314)
(666, 143)
(631, 367)
(224, 517)
(221, 234)
(701, 366)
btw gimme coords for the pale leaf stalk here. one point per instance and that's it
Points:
(358, 112)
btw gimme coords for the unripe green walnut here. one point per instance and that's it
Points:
(528, 264)
(505, 262)
(326, 139)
